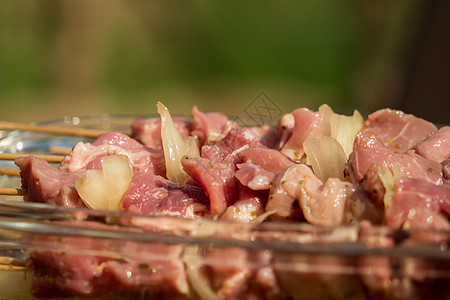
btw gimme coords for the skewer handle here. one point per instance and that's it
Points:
(49, 158)
(10, 172)
(13, 192)
(51, 129)
(59, 150)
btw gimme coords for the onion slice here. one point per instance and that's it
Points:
(191, 145)
(389, 177)
(198, 280)
(326, 157)
(345, 128)
(104, 189)
(174, 147)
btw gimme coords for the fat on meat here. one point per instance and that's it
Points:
(46, 184)
(285, 127)
(254, 176)
(437, 146)
(369, 151)
(148, 130)
(249, 205)
(151, 194)
(88, 156)
(331, 203)
(398, 130)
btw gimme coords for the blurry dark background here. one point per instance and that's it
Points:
(87, 57)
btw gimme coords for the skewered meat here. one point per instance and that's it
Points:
(250, 175)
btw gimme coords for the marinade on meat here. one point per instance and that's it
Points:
(306, 124)
(397, 130)
(436, 146)
(217, 180)
(254, 176)
(246, 175)
(423, 205)
(46, 184)
(87, 156)
(153, 194)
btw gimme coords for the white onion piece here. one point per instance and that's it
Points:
(389, 177)
(199, 282)
(326, 157)
(326, 113)
(345, 128)
(104, 189)
(262, 217)
(191, 147)
(173, 146)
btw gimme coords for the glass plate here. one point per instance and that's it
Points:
(215, 258)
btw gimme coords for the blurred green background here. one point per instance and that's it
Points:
(86, 57)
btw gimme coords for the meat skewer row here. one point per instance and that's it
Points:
(50, 158)
(59, 151)
(13, 156)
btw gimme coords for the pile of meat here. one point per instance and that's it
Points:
(253, 174)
